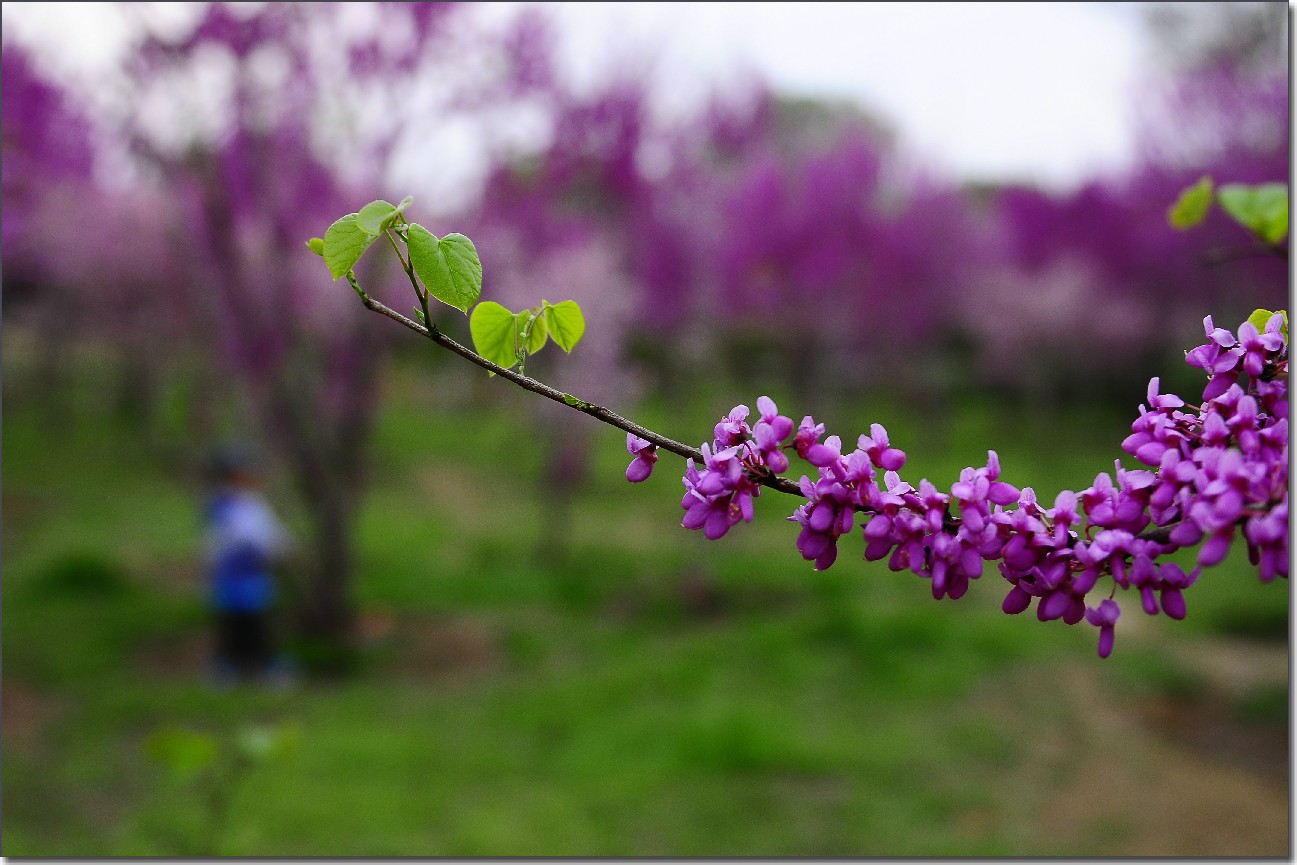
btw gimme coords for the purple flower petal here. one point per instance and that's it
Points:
(638, 470)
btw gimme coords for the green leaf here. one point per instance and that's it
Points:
(1261, 317)
(537, 335)
(449, 267)
(495, 333)
(183, 752)
(1191, 207)
(1274, 228)
(316, 245)
(1261, 209)
(375, 216)
(344, 243)
(566, 323)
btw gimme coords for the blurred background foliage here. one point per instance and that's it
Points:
(509, 650)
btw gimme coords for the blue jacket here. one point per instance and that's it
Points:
(243, 541)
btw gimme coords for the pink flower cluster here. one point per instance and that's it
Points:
(1216, 469)
(720, 494)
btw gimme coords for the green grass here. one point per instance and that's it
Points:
(602, 683)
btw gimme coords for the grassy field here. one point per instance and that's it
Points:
(598, 681)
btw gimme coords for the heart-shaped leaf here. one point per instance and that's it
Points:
(449, 266)
(1191, 207)
(494, 330)
(344, 243)
(1261, 209)
(375, 216)
(566, 323)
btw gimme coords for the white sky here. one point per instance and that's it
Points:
(1024, 91)
(1028, 91)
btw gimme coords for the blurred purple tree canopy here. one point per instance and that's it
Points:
(774, 239)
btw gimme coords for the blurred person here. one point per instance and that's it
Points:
(245, 544)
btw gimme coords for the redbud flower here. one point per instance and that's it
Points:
(880, 449)
(1104, 617)
(733, 428)
(645, 454)
(807, 435)
(1212, 470)
(1256, 346)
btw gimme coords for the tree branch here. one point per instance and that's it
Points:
(1159, 534)
(598, 412)
(1216, 257)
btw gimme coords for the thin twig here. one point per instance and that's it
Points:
(608, 416)
(1158, 534)
(1216, 257)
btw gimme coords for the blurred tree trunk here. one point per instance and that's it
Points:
(52, 360)
(138, 393)
(564, 474)
(328, 615)
(326, 463)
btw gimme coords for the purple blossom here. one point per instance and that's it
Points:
(782, 425)
(769, 447)
(808, 434)
(880, 451)
(826, 516)
(1257, 347)
(645, 455)
(720, 495)
(1173, 581)
(733, 428)
(1267, 539)
(1219, 356)
(1104, 617)
(825, 454)
(768, 436)
(1214, 469)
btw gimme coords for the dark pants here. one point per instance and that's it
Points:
(243, 641)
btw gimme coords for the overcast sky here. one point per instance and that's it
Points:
(1035, 91)
(1024, 91)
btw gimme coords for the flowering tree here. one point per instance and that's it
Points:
(48, 162)
(782, 238)
(219, 140)
(46, 142)
(236, 189)
(276, 156)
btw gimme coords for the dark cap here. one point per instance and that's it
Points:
(231, 460)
